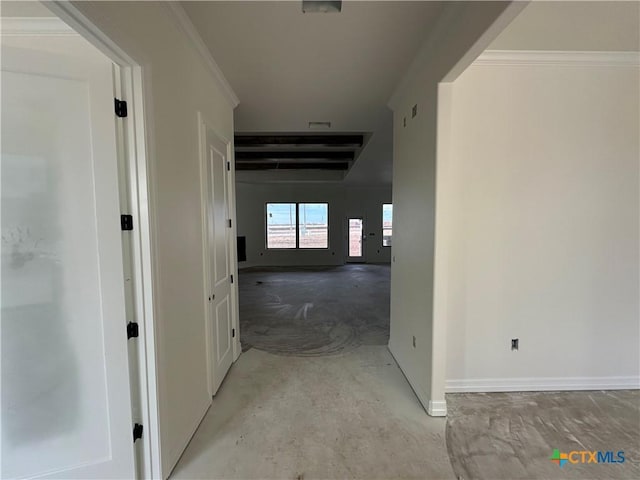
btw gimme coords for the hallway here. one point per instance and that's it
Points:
(365, 240)
(351, 415)
(316, 393)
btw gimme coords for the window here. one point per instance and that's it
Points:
(281, 225)
(297, 225)
(387, 223)
(313, 225)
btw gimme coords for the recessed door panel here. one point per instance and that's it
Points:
(223, 326)
(220, 215)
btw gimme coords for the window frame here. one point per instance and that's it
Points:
(297, 227)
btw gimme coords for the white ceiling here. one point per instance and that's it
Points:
(289, 68)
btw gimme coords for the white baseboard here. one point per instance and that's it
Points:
(541, 384)
(437, 408)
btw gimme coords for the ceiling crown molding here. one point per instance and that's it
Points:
(23, 26)
(559, 58)
(184, 23)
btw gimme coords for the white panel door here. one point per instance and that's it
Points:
(220, 319)
(66, 408)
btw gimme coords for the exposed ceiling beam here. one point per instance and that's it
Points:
(299, 140)
(292, 166)
(295, 155)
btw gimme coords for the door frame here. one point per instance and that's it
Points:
(362, 258)
(134, 141)
(205, 124)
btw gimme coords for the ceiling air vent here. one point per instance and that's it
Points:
(321, 6)
(319, 125)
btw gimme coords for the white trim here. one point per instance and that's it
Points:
(27, 26)
(542, 384)
(140, 188)
(184, 23)
(233, 249)
(437, 408)
(85, 28)
(206, 271)
(560, 58)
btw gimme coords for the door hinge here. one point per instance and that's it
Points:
(120, 107)
(126, 222)
(233, 333)
(231, 278)
(137, 432)
(228, 166)
(229, 223)
(132, 330)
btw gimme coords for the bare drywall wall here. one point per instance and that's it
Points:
(464, 30)
(343, 201)
(177, 85)
(544, 228)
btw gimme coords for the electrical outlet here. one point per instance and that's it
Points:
(414, 341)
(515, 343)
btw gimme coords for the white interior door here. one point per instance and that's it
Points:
(66, 408)
(219, 274)
(355, 239)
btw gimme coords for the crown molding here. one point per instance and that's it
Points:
(184, 23)
(28, 26)
(560, 58)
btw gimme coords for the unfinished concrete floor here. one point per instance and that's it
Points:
(320, 396)
(312, 311)
(350, 415)
(513, 435)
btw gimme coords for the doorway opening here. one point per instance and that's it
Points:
(356, 239)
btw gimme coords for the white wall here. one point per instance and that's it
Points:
(178, 84)
(343, 200)
(463, 29)
(544, 228)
